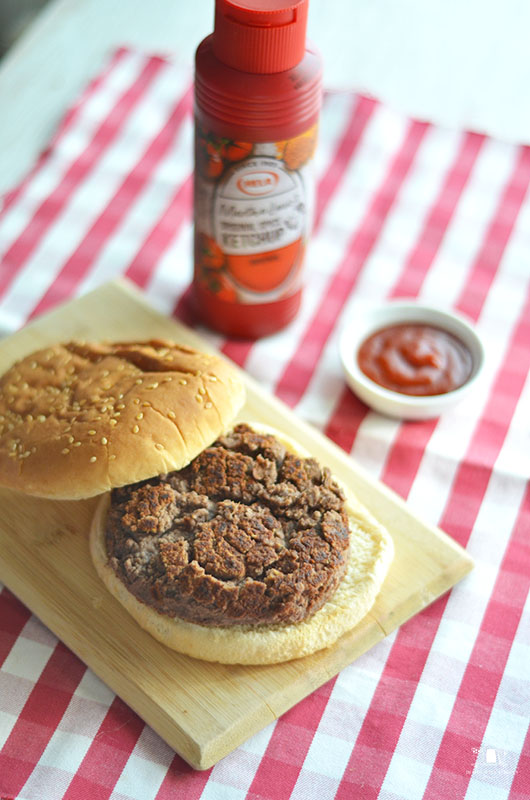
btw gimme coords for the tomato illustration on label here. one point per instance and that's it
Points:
(256, 205)
(214, 153)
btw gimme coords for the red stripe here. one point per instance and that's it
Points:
(39, 718)
(183, 781)
(484, 671)
(348, 145)
(344, 423)
(405, 457)
(520, 788)
(497, 236)
(108, 220)
(464, 502)
(13, 617)
(297, 374)
(67, 122)
(288, 747)
(327, 186)
(20, 251)
(184, 310)
(161, 235)
(108, 754)
(422, 255)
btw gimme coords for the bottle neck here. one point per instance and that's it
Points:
(265, 39)
(253, 107)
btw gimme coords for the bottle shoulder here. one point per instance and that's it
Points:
(273, 105)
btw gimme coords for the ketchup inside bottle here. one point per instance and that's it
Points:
(257, 103)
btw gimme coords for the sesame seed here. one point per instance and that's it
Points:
(29, 418)
(171, 414)
(71, 440)
(104, 440)
(183, 381)
(103, 409)
(26, 454)
(92, 432)
(76, 444)
(153, 385)
(212, 378)
(146, 404)
(120, 406)
(159, 446)
(33, 365)
(136, 401)
(208, 404)
(112, 457)
(136, 429)
(140, 416)
(65, 450)
(139, 381)
(198, 398)
(92, 459)
(202, 390)
(105, 373)
(113, 421)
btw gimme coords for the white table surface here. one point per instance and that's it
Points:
(461, 63)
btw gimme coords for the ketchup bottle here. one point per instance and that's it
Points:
(257, 102)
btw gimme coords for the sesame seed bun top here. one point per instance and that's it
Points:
(78, 419)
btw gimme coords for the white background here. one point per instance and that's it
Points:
(461, 63)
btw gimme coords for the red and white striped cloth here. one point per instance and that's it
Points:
(441, 708)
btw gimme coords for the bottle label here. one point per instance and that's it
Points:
(253, 215)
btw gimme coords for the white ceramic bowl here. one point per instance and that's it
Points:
(395, 404)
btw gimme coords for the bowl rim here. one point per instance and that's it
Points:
(355, 331)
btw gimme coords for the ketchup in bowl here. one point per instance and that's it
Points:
(415, 359)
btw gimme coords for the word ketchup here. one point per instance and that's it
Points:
(257, 103)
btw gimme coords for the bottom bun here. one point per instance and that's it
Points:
(370, 555)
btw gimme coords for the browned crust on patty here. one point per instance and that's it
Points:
(246, 534)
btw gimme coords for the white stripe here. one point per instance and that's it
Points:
(71, 145)
(468, 226)
(89, 200)
(124, 243)
(173, 272)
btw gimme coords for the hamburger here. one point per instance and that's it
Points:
(226, 542)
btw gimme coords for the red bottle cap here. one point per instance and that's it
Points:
(260, 36)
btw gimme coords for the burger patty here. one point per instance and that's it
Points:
(247, 533)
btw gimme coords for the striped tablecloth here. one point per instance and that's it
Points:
(441, 708)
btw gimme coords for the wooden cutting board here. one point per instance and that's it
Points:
(202, 710)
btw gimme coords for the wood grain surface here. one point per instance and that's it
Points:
(202, 710)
